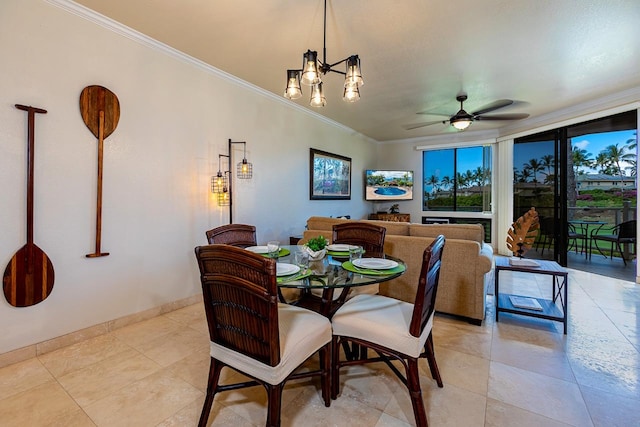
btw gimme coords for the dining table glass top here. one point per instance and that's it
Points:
(335, 270)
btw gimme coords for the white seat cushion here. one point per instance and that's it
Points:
(302, 333)
(381, 320)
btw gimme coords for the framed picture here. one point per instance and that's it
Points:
(329, 176)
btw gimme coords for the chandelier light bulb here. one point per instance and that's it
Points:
(351, 93)
(310, 75)
(317, 96)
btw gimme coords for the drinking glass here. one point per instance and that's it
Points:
(273, 247)
(302, 259)
(355, 252)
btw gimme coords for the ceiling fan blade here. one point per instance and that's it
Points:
(501, 103)
(429, 113)
(514, 116)
(420, 125)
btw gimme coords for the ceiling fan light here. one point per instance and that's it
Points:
(293, 90)
(310, 75)
(351, 93)
(461, 123)
(317, 96)
(353, 74)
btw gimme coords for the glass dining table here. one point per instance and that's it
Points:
(333, 271)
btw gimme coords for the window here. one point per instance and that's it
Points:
(457, 179)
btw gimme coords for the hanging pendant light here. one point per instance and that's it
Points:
(317, 96)
(245, 169)
(313, 68)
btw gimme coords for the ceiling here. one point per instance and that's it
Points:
(416, 55)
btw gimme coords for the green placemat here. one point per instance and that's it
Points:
(298, 276)
(283, 252)
(338, 254)
(373, 272)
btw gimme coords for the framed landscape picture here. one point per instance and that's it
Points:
(329, 176)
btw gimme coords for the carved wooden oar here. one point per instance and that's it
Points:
(28, 278)
(100, 111)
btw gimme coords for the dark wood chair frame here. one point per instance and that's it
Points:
(424, 306)
(370, 237)
(623, 233)
(240, 235)
(241, 305)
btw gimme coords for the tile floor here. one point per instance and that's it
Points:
(519, 371)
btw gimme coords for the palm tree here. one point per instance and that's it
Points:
(617, 154)
(548, 162)
(603, 163)
(535, 167)
(433, 181)
(581, 158)
(446, 182)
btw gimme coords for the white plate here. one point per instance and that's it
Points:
(340, 247)
(258, 249)
(284, 269)
(375, 263)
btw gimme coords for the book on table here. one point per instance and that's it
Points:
(525, 302)
(523, 262)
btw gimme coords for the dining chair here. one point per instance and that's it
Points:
(254, 334)
(574, 236)
(394, 329)
(240, 235)
(623, 233)
(371, 238)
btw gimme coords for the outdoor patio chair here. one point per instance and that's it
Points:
(575, 236)
(252, 333)
(623, 233)
(240, 235)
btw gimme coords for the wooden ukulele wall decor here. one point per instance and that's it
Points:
(100, 111)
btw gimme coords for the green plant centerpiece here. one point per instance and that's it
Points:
(316, 246)
(394, 209)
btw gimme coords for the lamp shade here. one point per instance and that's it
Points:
(351, 93)
(293, 90)
(219, 183)
(245, 170)
(354, 73)
(461, 123)
(317, 96)
(310, 75)
(223, 199)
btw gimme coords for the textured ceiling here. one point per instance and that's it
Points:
(417, 55)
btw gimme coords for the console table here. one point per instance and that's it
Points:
(550, 309)
(393, 217)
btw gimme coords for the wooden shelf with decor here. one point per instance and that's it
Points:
(393, 217)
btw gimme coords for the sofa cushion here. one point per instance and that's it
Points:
(473, 232)
(326, 224)
(393, 228)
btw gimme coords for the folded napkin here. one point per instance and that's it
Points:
(298, 276)
(373, 272)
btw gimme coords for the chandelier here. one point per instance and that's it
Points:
(313, 69)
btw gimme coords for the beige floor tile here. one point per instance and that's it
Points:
(464, 338)
(388, 421)
(147, 402)
(82, 354)
(45, 405)
(194, 369)
(460, 369)
(609, 410)
(172, 347)
(188, 314)
(606, 375)
(532, 357)
(22, 376)
(372, 385)
(101, 379)
(500, 414)
(219, 416)
(143, 332)
(547, 396)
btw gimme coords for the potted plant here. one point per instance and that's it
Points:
(394, 209)
(316, 246)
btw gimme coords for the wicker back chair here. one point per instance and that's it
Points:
(240, 235)
(369, 236)
(246, 324)
(623, 233)
(380, 323)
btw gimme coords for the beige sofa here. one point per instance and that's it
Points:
(465, 262)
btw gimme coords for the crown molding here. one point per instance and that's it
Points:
(138, 37)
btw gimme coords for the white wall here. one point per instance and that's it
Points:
(176, 117)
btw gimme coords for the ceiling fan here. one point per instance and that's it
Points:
(462, 120)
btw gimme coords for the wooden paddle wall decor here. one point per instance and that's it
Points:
(28, 278)
(100, 111)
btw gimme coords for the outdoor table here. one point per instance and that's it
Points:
(584, 230)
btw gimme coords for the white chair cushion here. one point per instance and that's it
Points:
(381, 320)
(302, 333)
